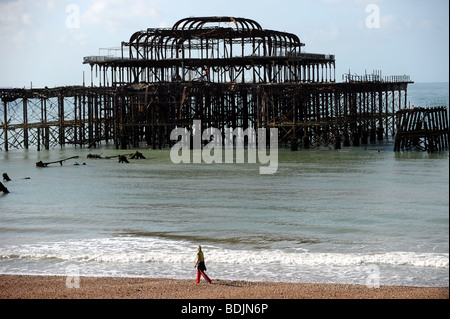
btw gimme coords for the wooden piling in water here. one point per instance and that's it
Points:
(424, 129)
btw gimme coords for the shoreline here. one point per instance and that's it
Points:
(61, 287)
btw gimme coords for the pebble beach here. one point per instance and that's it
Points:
(58, 287)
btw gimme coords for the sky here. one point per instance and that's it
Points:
(43, 42)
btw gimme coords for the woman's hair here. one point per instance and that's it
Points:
(199, 247)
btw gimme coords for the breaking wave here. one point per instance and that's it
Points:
(131, 250)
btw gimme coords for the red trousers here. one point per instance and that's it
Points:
(201, 273)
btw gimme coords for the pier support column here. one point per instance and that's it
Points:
(294, 144)
(337, 140)
(61, 121)
(305, 142)
(5, 121)
(25, 123)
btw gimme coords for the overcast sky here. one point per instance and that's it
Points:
(43, 42)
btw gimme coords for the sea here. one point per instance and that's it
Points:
(359, 215)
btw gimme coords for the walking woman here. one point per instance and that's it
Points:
(200, 264)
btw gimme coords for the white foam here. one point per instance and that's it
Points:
(132, 250)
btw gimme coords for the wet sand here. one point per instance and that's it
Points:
(58, 287)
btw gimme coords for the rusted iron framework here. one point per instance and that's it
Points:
(227, 72)
(48, 118)
(213, 49)
(425, 129)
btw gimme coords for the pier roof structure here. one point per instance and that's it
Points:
(215, 49)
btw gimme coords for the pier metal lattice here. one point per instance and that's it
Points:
(224, 71)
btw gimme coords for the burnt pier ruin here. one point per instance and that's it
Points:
(227, 72)
(424, 129)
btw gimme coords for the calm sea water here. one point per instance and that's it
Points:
(358, 215)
